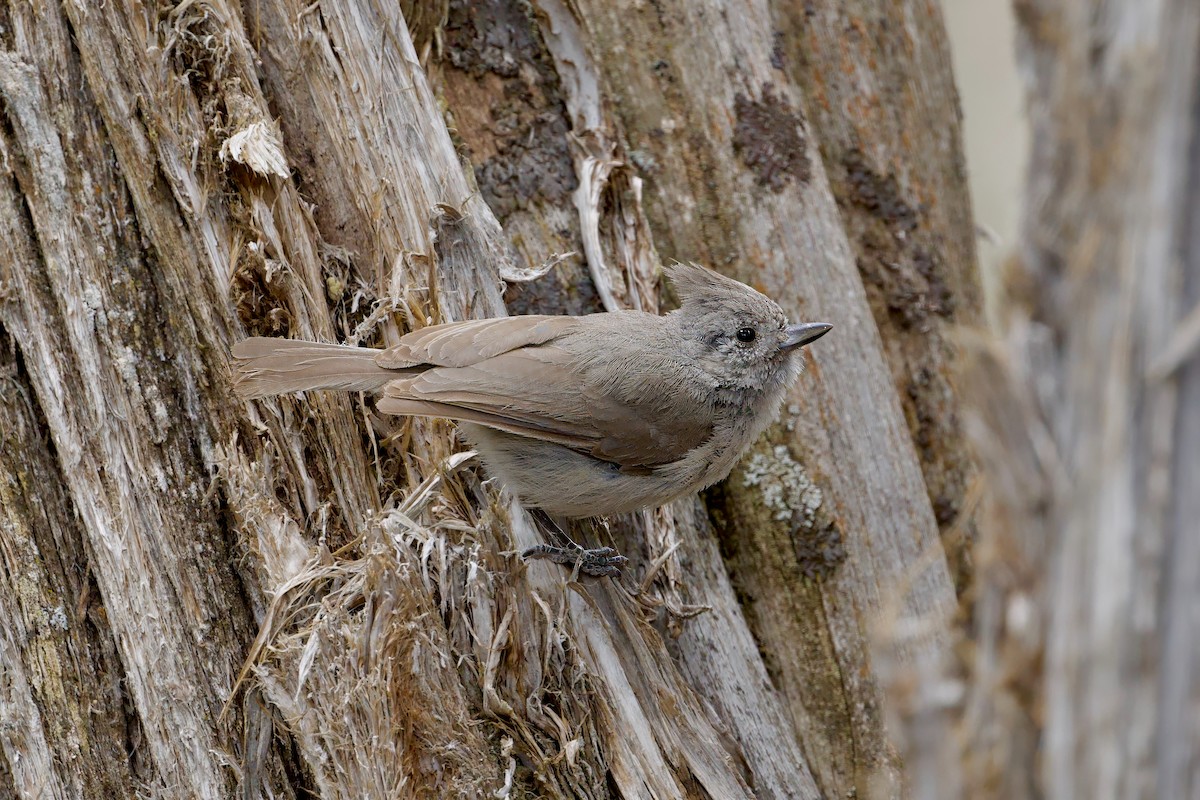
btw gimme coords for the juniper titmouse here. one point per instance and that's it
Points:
(579, 416)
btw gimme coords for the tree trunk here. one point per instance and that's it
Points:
(1083, 670)
(298, 596)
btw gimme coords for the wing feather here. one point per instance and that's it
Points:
(574, 404)
(460, 344)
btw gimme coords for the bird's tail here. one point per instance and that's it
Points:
(264, 367)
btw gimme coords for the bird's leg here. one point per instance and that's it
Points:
(599, 562)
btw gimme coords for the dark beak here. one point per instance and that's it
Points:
(804, 333)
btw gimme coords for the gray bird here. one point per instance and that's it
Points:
(579, 416)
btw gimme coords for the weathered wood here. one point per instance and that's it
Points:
(63, 700)
(602, 655)
(120, 375)
(885, 113)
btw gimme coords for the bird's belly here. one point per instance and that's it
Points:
(564, 482)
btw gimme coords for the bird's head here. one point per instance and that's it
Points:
(737, 335)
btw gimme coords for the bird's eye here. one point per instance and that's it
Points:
(746, 335)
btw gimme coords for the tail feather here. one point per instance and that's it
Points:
(264, 367)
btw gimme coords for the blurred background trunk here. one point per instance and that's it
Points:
(1084, 661)
(208, 598)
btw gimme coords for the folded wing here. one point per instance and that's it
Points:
(546, 392)
(460, 344)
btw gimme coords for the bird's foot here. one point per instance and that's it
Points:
(599, 562)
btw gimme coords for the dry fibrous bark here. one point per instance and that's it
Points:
(298, 596)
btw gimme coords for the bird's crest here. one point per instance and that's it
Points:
(694, 282)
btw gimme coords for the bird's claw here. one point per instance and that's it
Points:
(599, 562)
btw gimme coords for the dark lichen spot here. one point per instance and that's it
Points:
(925, 426)
(511, 122)
(532, 166)
(939, 297)
(527, 130)
(485, 36)
(904, 274)
(878, 194)
(777, 40)
(769, 138)
(819, 549)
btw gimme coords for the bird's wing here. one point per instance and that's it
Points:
(460, 344)
(544, 393)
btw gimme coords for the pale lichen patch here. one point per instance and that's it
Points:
(93, 301)
(795, 501)
(126, 363)
(58, 618)
(786, 488)
(793, 413)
